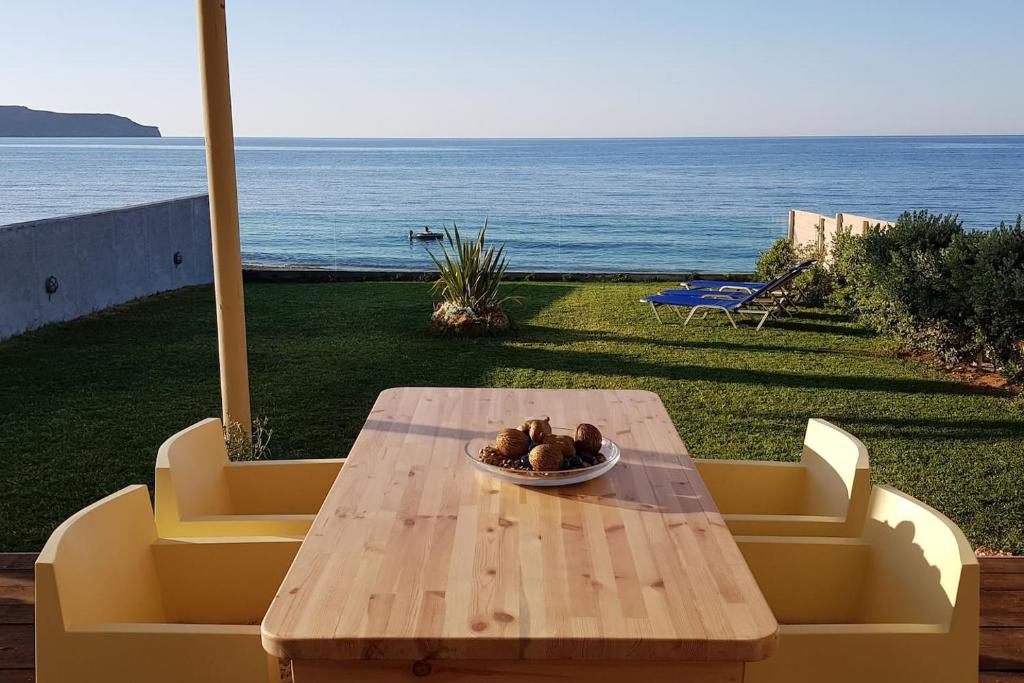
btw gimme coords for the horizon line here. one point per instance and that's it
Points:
(621, 137)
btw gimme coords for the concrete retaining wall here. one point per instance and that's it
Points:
(98, 260)
(812, 229)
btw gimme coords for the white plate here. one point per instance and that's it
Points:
(609, 449)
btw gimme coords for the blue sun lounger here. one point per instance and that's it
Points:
(780, 289)
(722, 301)
(762, 302)
(747, 287)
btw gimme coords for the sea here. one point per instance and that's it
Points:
(614, 205)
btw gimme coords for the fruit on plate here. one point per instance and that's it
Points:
(538, 430)
(588, 438)
(492, 456)
(512, 443)
(564, 442)
(546, 458)
(534, 447)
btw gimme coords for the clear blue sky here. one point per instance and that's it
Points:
(379, 68)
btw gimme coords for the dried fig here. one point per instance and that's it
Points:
(538, 430)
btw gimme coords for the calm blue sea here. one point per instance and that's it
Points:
(585, 205)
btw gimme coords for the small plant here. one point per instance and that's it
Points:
(251, 444)
(469, 278)
(776, 259)
(814, 285)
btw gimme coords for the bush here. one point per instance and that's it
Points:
(776, 260)
(934, 287)
(986, 276)
(815, 284)
(896, 280)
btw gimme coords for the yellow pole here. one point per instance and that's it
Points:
(227, 250)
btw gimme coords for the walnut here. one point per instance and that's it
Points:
(589, 437)
(492, 456)
(546, 458)
(566, 443)
(512, 443)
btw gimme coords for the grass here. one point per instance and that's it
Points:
(85, 405)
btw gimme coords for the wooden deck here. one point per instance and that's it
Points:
(1002, 619)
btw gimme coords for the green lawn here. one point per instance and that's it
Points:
(85, 405)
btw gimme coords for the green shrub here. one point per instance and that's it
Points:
(896, 280)
(934, 287)
(815, 284)
(848, 262)
(986, 278)
(776, 260)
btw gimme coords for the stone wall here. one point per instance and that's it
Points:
(62, 268)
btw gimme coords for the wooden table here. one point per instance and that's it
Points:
(418, 565)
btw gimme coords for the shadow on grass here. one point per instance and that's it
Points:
(560, 337)
(614, 365)
(965, 429)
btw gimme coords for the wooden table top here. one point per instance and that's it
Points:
(415, 554)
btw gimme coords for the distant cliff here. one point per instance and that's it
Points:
(22, 122)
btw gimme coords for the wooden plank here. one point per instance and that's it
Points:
(1001, 677)
(17, 614)
(20, 561)
(1002, 608)
(416, 554)
(1009, 581)
(1002, 649)
(17, 587)
(17, 676)
(1002, 565)
(17, 646)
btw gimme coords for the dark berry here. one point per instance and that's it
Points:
(525, 461)
(575, 462)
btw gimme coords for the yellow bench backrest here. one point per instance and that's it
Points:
(838, 481)
(911, 566)
(921, 564)
(98, 566)
(190, 473)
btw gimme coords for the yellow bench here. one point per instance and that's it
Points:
(116, 603)
(199, 492)
(898, 604)
(825, 494)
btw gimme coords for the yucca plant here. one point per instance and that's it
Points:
(470, 274)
